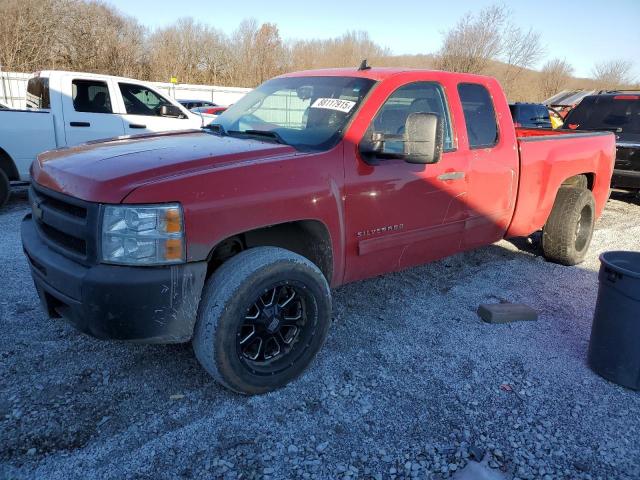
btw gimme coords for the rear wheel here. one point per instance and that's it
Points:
(5, 188)
(263, 316)
(567, 234)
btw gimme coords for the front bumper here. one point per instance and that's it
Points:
(625, 179)
(143, 304)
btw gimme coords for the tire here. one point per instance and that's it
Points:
(5, 189)
(236, 317)
(567, 234)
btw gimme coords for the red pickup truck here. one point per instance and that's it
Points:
(231, 236)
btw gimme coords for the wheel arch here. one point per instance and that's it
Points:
(8, 166)
(531, 216)
(585, 180)
(309, 238)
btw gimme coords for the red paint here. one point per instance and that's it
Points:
(408, 215)
(214, 110)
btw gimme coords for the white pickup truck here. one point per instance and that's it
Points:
(70, 108)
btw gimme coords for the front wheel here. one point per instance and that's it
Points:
(567, 234)
(263, 316)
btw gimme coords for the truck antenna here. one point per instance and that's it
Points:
(364, 65)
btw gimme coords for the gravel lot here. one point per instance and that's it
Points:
(409, 384)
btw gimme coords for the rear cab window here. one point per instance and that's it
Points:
(91, 96)
(38, 93)
(479, 115)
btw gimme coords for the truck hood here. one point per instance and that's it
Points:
(107, 171)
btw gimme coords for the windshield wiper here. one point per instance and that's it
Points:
(275, 136)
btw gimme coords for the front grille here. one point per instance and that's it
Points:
(67, 241)
(66, 224)
(68, 208)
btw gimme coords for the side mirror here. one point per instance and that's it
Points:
(170, 111)
(376, 146)
(423, 138)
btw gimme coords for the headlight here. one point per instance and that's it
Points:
(143, 235)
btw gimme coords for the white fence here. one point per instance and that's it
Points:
(215, 94)
(13, 89)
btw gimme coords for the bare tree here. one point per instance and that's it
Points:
(520, 50)
(27, 31)
(258, 53)
(347, 50)
(71, 34)
(269, 55)
(190, 51)
(555, 76)
(96, 38)
(476, 40)
(613, 73)
(90, 35)
(489, 42)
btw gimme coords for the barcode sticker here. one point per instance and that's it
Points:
(344, 106)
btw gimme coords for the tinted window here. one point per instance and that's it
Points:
(479, 115)
(139, 100)
(38, 93)
(620, 113)
(543, 113)
(421, 97)
(91, 96)
(530, 115)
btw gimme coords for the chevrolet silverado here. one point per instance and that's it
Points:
(231, 236)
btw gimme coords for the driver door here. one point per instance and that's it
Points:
(88, 109)
(401, 214)
(142, 111)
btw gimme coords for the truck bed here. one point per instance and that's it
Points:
(547, 159)
(526, 133)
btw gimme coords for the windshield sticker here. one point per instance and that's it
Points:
(343, 106)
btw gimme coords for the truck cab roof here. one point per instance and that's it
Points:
(95, 76)
(380, 73)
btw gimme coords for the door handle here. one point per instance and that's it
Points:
(451, 176)
(79, 124)
(137, 125)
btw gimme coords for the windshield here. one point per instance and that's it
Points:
(617, 113)
(308, 113)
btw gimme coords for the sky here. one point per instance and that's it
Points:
(582, 32)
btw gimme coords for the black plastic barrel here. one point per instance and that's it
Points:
(614, 349)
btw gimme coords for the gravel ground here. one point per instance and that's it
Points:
(409, 384)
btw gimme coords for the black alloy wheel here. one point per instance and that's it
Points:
(271, 328)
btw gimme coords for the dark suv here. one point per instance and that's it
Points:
(618, 112)
(530, 115)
